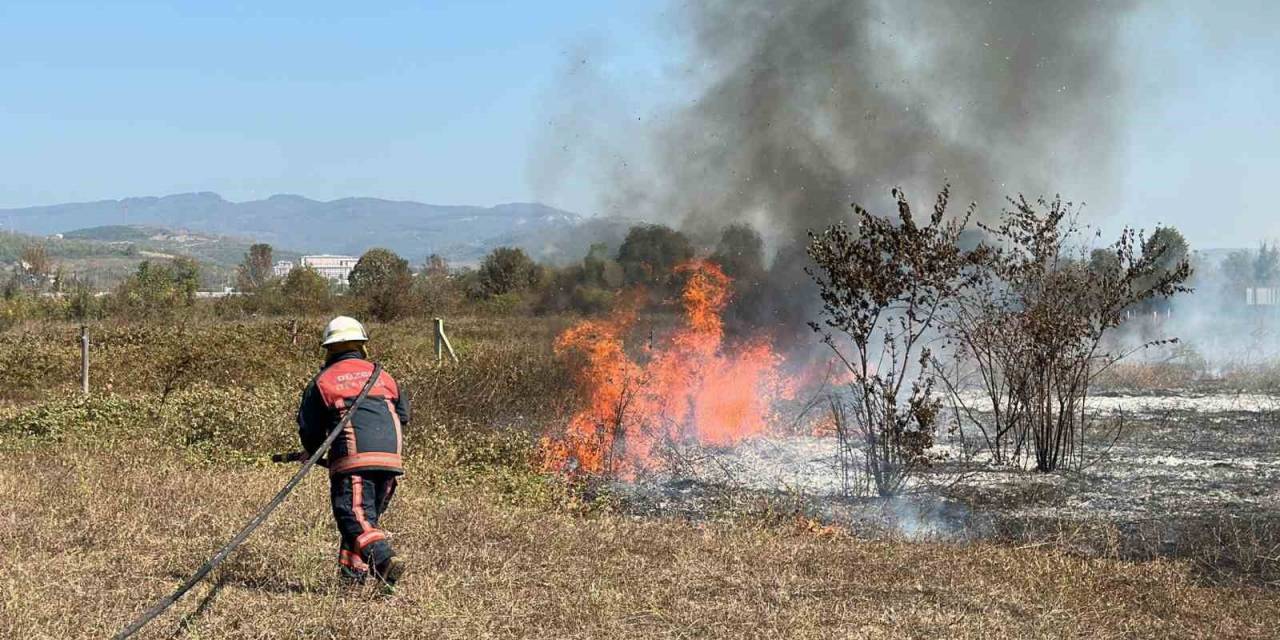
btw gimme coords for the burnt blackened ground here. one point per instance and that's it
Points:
(1192, 475)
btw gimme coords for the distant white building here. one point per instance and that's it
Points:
(334, 268)
(1262, 296)
(226, 292)
(282, 269)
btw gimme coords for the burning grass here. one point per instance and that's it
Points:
(689, 386)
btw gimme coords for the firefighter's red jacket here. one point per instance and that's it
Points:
(374, 439)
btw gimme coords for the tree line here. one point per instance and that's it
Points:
(383, 285)
(507, 280)
(386, 286)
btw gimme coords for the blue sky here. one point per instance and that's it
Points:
(1202, 149)
(436, 101)
(451, 102)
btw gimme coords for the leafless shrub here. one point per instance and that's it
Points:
(1032, 325)
(883, 285)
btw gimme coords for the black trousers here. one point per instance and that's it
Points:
(359, 500)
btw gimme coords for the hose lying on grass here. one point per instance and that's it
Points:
(164, 603)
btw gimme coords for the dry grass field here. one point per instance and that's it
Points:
(91, 539)
(111, 502)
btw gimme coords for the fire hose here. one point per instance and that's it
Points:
(164, 603)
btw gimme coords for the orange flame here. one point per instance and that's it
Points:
(690, 390)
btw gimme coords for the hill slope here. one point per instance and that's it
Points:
(220, 251)
(349, 225)
(103, 256)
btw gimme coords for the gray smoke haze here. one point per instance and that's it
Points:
(808, 106)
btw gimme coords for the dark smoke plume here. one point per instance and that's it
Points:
(802, 107)
(810, 105)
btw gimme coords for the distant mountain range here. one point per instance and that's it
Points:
(462, 234)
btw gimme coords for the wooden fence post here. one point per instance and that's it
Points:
(84, 360)
(439, 325)
(442, 343)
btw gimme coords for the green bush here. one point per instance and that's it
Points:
(102, 416)
(221, 420)
(592, 300)
(157, 289)
(382, 281)
(165, 358)
(508, 270)
(504, 304)
(39, 361)
(499, 462)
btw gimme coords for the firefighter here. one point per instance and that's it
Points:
(364, 461)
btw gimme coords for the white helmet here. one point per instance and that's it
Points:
(344, 329)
